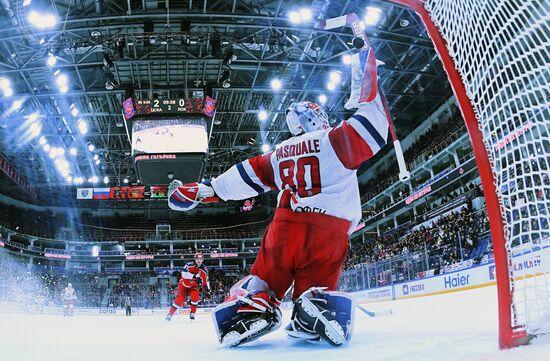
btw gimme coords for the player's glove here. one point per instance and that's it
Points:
(185, 197)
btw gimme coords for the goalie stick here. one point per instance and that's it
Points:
(352, 20)
(387, 312)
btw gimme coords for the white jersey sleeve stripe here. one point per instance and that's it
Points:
(253, 177)
(231, 185)
(365, 134)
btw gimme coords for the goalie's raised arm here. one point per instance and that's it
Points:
(361, 136)
(246, 179)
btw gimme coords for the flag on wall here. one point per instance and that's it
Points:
(85, 193)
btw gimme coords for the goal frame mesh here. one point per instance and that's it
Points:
(510, 334)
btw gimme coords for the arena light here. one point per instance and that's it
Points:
(262, 115)
(322, 99)
(276, 84)
(294, 17)
(27, 2)
(5, 83)
(74, 110)
(42, 141)
(372, 17)
(51, 60)
(35, 129)
(96, 157)
(41, 21)
(97, 162)
(105, 180)
(73, 151)
(61, 80)
(125, 180)
(8, 92)
(5, 86)
(94, 179)
(346, 59)
(82, 126)
(335, 77)
(17, 104)
(306, 14)
(46, 147)
(266, 148)
(95, 251)
(69, 179)
(91, 146)
(331, 86)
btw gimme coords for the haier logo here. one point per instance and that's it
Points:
(457, 281)
(492, 273)
(405, 289)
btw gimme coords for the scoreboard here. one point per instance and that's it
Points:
(169, 137)
(171, 106)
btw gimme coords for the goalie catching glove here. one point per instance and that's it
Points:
(185, 197)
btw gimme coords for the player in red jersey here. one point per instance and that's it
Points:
(318, 207)
(193, 274)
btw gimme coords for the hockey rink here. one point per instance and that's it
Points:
(456, 326)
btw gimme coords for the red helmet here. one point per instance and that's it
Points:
(198, 256)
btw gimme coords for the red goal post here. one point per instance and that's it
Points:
(454, 26)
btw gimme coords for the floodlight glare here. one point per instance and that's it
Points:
(305, 14)
(262, 115)
(335, 77)
(266, 148)
(42, 21)
(331, 86)
(82, 126)
(294, 17)
(346, 59)
(372, 17)
(276, 84)
(73, 151)
(51, 60)
(322, 99)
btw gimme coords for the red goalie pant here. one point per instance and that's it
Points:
(181, 295)
(307, 248)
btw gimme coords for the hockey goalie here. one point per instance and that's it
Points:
(318, 207)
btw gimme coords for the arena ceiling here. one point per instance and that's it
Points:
(169, 49)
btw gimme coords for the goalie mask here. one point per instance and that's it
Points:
(305, 117)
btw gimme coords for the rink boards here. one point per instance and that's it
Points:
(527, 265)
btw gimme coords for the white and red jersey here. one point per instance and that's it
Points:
(68, 294)
(192, 272)
(316, 171)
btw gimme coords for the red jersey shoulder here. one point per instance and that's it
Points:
(193, 268)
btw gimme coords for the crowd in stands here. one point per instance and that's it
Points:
(442, 239)
(118, 228)
(428, 144)
(135, 286)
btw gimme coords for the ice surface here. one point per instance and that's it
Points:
(457, 326)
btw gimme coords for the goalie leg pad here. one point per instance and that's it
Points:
(243, 319)
(325, 315)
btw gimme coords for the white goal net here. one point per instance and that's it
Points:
(500, 49)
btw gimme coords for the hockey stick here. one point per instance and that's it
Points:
(361, 42)
(382, 313)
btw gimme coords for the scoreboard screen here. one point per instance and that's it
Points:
(175, 134)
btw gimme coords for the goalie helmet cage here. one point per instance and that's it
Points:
(495, 54)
